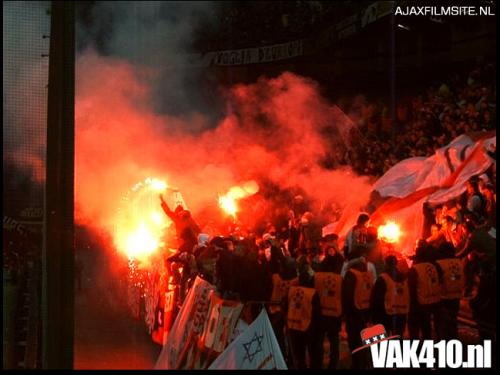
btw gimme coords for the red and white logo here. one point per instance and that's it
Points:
(373, 335)
(422, 353)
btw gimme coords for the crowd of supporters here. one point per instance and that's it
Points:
(421, 123)
(313, 289)
(256, 23)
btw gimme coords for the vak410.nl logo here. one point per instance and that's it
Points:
(387, 353)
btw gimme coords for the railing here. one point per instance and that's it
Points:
(33, 328)
(27, 327)
(10, 299)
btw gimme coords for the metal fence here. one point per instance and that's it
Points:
(26, 40)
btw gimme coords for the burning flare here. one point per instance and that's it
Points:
(141, 242)
(228, 202)
(389, 232)
(140, 224)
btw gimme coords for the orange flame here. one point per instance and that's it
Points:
(389, 232)
(228, 202)
(140, 224)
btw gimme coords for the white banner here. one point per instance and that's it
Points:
(220, 324)
(256, 55)
(187, 326)
(255, 349)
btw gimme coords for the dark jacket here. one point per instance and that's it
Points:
(226, 272)
(182, 220)
(412, 287)
(332, 263)
(254, 279)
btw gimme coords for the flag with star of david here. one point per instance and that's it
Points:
(256, 348)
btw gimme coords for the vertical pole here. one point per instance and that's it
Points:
(393, 74)
(58, 250)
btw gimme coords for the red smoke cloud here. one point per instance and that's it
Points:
(276, 129)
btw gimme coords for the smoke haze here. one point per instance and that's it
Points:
(25, 78)
(274, 131)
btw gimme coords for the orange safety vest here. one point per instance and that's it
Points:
(280, 291)
(328, 285)
(363, 289)
(428, 288)
(453, 282)
(300, 307)
(397, 296)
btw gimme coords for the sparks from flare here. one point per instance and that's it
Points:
(389, 232)
(228, 201)
(140, 224)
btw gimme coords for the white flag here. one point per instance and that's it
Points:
(241, 327)
(436, 179)
(189, 323)
(418, 173)
(256, 348)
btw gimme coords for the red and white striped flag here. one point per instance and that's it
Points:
(436, 179)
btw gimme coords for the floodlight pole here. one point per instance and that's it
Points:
(58, 246)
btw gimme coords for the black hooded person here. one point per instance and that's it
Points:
(182, 220)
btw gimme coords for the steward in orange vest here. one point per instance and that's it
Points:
(328, 284)
(397, 296)
(281, 283)
(390, 298)
(303, 318)
(451, 277)
(356, 289)
(300, 308)
(425, 292)
(280, 291)
(427, 289)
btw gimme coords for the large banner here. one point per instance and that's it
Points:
(255, 349)
(187, 326)
(436, 179)
(201, 331)
(220, 323)
(376, 11)
(256, 55)
(10, 224)
(445, 172)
